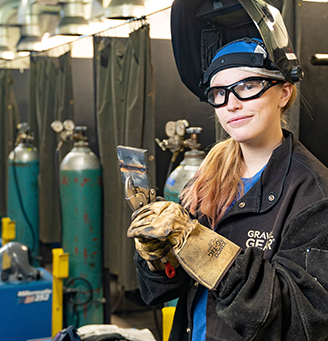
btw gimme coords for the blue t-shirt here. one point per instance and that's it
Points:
(200, 302)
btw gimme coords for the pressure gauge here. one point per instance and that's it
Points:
(181, 127)
(57, 126)
(69, 125)
(170, 128)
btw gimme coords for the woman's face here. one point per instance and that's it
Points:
(252, 121)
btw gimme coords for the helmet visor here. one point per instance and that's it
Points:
(200, 27)
(274, 34)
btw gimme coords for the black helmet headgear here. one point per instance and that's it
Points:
(202, 28)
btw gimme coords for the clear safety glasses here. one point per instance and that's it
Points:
(246, 89)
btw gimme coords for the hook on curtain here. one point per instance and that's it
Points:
(137, 23)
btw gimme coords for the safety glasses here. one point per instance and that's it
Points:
(244, 90)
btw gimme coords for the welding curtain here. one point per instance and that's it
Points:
(9, 118)
(125, 116)
(51, 98)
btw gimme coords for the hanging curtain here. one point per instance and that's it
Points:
(51, 98)
(125, 116)
(9, 118)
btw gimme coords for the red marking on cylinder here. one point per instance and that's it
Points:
(91, 228)
(76, 250)
(85, 218)
(64, 180)
(85, 180)
(75, 180)
(85, 254)
(75, 239)
(94, 253)
(95, 239)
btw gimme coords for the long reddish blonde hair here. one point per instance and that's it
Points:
(217, 183)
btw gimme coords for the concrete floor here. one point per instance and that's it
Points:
(128, 310)
(149, 319)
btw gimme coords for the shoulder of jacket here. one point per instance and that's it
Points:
(304, 158)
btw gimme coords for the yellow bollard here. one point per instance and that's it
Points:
(167, 317)
(8, 230)
(59, 271)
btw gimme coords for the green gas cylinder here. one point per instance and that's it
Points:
(182, 174)
(81, 207)
(23, 191)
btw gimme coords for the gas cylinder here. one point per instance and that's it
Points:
(182, 174)
(81, 210)
(191, 161)
(23, 191)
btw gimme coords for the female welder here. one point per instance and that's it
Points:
(251, 236)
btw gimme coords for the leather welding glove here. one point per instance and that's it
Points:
(156, 253)
(205, 255)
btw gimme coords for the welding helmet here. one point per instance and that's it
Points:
(202, 28)
(15, 263)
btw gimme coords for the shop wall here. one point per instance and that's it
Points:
(314, 93)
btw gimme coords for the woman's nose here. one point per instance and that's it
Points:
(233, 102)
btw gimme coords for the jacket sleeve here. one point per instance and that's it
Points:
(156, 287)
(285, 298)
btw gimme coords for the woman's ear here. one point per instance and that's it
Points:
(286, 93)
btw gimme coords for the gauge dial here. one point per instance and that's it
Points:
(69, 125)
(57, 126)
(170, 128)
(181, 127)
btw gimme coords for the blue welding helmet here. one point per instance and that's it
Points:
(200, 28)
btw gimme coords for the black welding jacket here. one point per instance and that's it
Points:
(277, 287)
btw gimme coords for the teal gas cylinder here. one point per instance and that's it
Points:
(23, 195)
(81, 206)
(180, 175)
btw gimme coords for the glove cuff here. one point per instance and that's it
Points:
(206, 256)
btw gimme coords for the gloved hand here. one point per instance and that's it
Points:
(156, 253)
(203, 253)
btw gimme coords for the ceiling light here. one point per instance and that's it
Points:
(5, 52)
(24, 53)
(125, 9)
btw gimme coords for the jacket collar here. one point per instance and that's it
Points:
(267, 191)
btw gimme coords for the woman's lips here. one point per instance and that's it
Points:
(239, 120)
